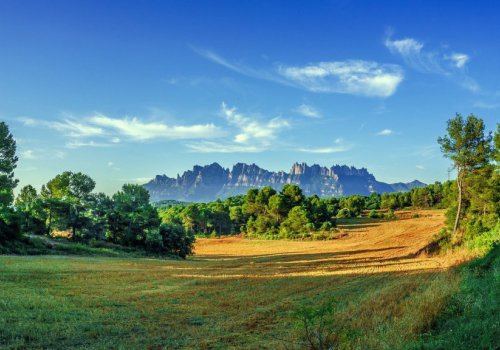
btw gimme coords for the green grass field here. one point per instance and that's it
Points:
(233, 293)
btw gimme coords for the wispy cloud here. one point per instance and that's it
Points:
(485, 105)
(420, 167)
(357, 77)
(28, 154)
(223, 147)
(138, 130)
(252, 130)
(308, 111)
(110, 131)
(338, 148)
(239, 67)
(79, 144)
(252, 134)
(458, 59)
(449, 64)
(385, 132)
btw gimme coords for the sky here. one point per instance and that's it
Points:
(126, 90)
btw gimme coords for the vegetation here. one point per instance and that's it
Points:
(470, 319)
(474, 207)
(234, 293)
(67, 205)
(289, 214)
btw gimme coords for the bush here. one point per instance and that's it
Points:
(318, 327)
(176, 240)
(154, 241)
(326, 226)
(344, 213)
(390, 215)
(375, 214)
(9, 227)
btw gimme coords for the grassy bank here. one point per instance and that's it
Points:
(471, 317)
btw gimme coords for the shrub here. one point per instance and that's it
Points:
(344, 213)
(374, 214)
(176, 240)
(318, 327)
(390, 215)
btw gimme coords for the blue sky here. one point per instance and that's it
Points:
(127, 90)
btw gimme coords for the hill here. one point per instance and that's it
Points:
(207, 183)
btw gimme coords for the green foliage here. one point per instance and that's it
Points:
(344, 213)
(318, 327)
(296, 222)
(375, 214)
(8, 163)
(390, 215)
(471, 319)
(471, 151)
(176, 240)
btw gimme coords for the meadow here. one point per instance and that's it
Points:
(234, 292)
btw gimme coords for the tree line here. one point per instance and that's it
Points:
(290, 214)
(67, 203)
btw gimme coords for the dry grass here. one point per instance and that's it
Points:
(233, 293)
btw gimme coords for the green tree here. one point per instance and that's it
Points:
(297, 221)
(292, 195)
(9, 229)
(8, 163)
(469, 149)
(29, 208)
(132, 216)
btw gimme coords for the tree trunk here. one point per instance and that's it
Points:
(459, 209)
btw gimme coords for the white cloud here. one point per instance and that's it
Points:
(324, 150)
(28, 154)
(139, 130)
(385, 132)
(76, 129)
(449, 64)
(111, 163)
(485, 105)
(458, 59)
(420, 167)
(60, 154)
(80, 144)
(222, 147)
(340, 147)
(102, 126)
(240, 68)
(252, 130)
(308, 111)
(28, 121)
(252, 135)
(405, 47)
(347, 77)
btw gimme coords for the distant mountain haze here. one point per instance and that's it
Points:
(210, 182)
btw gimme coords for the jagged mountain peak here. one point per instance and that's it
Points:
(212, 181)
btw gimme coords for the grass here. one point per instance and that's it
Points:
(233, 294)
(471, 319)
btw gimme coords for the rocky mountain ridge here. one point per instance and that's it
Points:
(207, 183)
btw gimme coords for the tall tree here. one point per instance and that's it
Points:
(8, 163)
(469, 148)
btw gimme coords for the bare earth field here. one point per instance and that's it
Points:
(234, 293)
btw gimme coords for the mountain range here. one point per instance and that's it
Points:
(210, 182)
